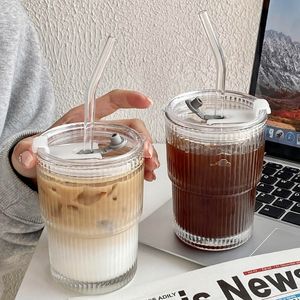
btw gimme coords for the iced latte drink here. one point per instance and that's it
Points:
(91, 207)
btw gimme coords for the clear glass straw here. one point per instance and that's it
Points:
(218, 54)
(89, 107)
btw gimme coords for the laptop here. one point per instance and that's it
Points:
(275, 77)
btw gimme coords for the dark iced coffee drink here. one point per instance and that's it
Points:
(214, 169)
(218, 199)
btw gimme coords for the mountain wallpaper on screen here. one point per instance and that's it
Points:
(279, 77)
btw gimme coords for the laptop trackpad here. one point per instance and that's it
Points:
(277, 241)
(157, 231)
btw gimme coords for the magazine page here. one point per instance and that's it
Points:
(268, 276)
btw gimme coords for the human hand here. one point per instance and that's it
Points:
(24, 160)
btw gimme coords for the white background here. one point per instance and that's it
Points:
(161, 47)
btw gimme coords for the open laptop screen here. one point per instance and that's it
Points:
(276, 75)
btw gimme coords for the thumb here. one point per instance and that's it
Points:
(23, 159)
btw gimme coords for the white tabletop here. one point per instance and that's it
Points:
(152, 264)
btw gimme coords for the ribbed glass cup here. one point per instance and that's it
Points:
(91, 209)
(214, 170)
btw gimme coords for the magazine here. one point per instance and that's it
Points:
(268, 276)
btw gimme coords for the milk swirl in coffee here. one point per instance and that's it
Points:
(91, 203)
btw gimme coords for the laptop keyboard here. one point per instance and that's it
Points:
(278, 193)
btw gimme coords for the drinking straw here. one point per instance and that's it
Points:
(90, 102)
(218, 54)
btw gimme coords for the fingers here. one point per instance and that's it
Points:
(23, 159)
(106, 105)
(116, 99)
(151, 164)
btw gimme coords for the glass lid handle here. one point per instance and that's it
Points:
(194, 106)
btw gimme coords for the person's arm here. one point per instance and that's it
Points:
(27, 107)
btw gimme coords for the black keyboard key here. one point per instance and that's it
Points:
(290, 169)
(265, 198)
(285, 184)
(282, 193)
(296, 178)
(268, 179)
(295, 197)
(272, 211)
(296, 208)
(284, 174)
(269, 171)
(292, 217)
(274, 165)
(283, 203)
(296, 188)
(258, 205)
(265, 188)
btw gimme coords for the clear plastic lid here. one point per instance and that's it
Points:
(116, 150)
(241, 114)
